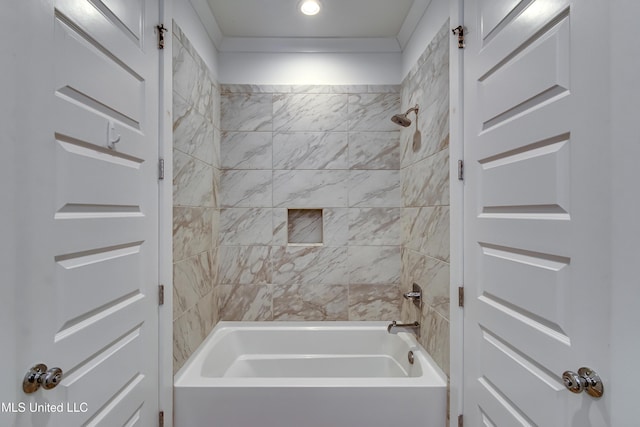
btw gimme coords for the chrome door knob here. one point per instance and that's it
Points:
(38, 376)
(585, 380)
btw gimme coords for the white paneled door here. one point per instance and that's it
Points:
(537, 228)
(87, 238)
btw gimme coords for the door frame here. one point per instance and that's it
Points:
(456, 152)
(165, 218)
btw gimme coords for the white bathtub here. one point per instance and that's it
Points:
(309, 374)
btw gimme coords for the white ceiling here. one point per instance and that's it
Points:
(343, 25)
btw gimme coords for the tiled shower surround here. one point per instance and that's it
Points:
(196, 175)
(425, 197)
(332, 150)
(261, 171)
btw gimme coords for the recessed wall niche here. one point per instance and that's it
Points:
(304, 226)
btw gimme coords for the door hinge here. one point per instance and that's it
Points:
(460, 170)
(460, 296)
(460, 421)
(459, 30)
(161, 295)
(161, 30)
(161, 419)
(161, 169)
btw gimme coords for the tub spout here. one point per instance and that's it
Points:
(395, 327)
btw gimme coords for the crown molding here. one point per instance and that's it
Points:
(208, 20)
(417, 11)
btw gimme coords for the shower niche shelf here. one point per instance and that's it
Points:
(304, 227)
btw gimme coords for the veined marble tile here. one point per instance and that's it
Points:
(246, 112)
(374, 302)
(246, 226)
(426, 230)
(215, 107)
(246, 150)
(245, 302)
(373, 112)
(335, 226)
(192, 279)
(246, 188)
(374, 265)
(374, 189)
(309, 112)
(217, 157)
(193, 134)
(433, 277)
(208, 309)
(435, 338)
(310, 150)
(192, 231)
(427, 182)
(249, 265)
(188, 334)
(185, 70)
(310, 302)
(304, 226)
(383, 89)
(374, 150)
(280, 230)
(217, 180)
(374, 226)
(192, 181)
(310, 189)
(309, 265)
(236, 88)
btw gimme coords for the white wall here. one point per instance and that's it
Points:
(437, 13)
(190, 22)
(309, 68)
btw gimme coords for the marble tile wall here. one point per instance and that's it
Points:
(196, 183)
(329, 148)
(424, 181)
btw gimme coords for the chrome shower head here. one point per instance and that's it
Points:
(402, 119)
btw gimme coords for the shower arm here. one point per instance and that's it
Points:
(414, 109)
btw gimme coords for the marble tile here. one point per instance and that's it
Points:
(188, 334)
(246, 150)
(192, 231)
(309, 265)
(335, 226)
(246, 188)
(245, 265)
(245, 302)
(217, 181)
(374, 302)
(192, 181)
(185, 71)
(193, 134)
(310, 150)
(246, 112)
(304, 226)
(246, 226)
(375, 265)
(433, 277)
(435, 338)
(426, 230)
(208, 309)
(373, 112)
(192, 279)
(426, 183)
(374, 189)
(374, 150)
(310, 302)
(383, 89)
(310, 189)
(240, 88)
(309, 113)
(374, 226)
(280, 230)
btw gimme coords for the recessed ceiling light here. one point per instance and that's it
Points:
(310, 7)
